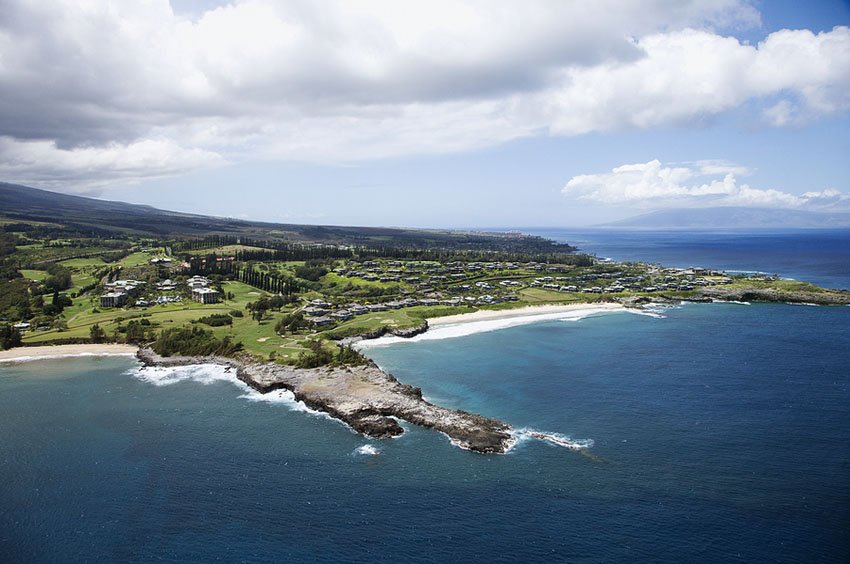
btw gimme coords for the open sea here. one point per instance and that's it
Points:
(709, 433)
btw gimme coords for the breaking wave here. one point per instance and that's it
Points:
(367, 450)
(207, 374)
(526, 434)
(200, 373)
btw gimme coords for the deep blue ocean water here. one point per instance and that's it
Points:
(818, 256)
(721, 432)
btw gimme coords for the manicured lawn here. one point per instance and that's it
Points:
(135, 259)
(37, 275)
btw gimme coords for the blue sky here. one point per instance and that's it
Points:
(440, 114)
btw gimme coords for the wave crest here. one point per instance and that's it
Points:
(527, 434)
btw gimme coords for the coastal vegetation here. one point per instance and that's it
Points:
(292, 293)
(193, 341)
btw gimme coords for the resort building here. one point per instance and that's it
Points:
(113, 299)
(123, 285)
(205, 295)
(198, 282)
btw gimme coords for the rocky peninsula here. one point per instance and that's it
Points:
(364, 397)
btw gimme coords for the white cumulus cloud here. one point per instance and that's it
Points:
(92, 167)
(346, 81)
(705, 183)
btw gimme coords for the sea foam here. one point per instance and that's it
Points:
(527, 434)
(367, 450)
(207, 374)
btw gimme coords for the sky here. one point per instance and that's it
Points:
(459, 114)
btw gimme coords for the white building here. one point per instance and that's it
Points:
(205, 295)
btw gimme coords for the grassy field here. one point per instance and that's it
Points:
(135, 259)
(83, 262)
(37, 275)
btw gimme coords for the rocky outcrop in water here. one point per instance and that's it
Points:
(365, 397)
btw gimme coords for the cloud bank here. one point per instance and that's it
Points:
(87, 82)
(704, 183)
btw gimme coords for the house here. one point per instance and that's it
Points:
(313, 311)
(166, 285)
(113, 299)
(205, 295)
(123, 285)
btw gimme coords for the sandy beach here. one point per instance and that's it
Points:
(21, 354)
(483, 320)
(492, 315)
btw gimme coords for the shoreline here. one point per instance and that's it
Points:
(526, 311)
(45, 352)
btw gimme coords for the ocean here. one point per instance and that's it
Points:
(821, 257)
(708, 432)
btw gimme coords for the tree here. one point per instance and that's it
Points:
(291, 322)
(316, 355)
(9, 336)
(97, 333)
(136, 332)
(347, 356)
(58, 277)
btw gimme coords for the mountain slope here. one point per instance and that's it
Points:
(22, 203)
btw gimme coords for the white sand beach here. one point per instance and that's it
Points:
(492, 315)
(492, 320)
(21, 354)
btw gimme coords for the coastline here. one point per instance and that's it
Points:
(482, 321)
(527, 311)
(23, 354)
(366, 398)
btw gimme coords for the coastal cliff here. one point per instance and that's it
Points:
(762, 294)
(364, 397)
(744, 294)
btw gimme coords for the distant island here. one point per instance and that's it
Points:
(283, 305)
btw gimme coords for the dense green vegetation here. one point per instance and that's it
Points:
(193, 341)
(9, 336)
(216, 320)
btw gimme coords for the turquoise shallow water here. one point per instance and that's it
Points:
(720, 433)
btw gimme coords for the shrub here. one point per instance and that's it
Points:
(216, 320)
